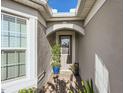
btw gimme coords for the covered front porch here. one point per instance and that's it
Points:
(67, 35)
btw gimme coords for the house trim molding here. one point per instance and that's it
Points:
(69, 26)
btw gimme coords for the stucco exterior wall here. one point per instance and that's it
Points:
(77, 47)
(103, 38)
(44, 56)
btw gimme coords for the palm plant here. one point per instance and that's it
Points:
(56, 58)
(56, 55)
(87, 87)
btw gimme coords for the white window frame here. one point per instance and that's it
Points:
(14, 48)
(10, 86)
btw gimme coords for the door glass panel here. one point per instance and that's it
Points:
(66, 48)
(65, 44)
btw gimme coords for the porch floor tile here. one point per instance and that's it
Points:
(61, 83)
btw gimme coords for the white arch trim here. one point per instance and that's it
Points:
(70, 26)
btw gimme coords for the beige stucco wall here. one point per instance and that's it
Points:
(77, 47)
(44, 55)
(103, 37)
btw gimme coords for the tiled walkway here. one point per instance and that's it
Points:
(61, 83)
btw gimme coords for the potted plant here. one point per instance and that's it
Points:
(56, 58)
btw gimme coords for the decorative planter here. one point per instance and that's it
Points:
(56, 69)
(76, 69)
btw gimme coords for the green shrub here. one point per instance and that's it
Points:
(29, 90)
(54, 64)
(86, 85)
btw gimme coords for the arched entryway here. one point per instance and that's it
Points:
(66, 35)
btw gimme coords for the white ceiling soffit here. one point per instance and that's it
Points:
(98, 4)
(83, 8)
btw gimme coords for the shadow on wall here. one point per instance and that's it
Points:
(101, 76)
(52, 39)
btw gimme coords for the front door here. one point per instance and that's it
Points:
(66, 51)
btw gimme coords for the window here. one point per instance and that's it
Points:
(13, 46)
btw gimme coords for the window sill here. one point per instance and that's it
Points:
(13, 85)
(13, 80)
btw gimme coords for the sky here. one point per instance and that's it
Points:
(62, 5)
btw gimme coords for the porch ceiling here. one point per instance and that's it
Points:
(82, 10)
